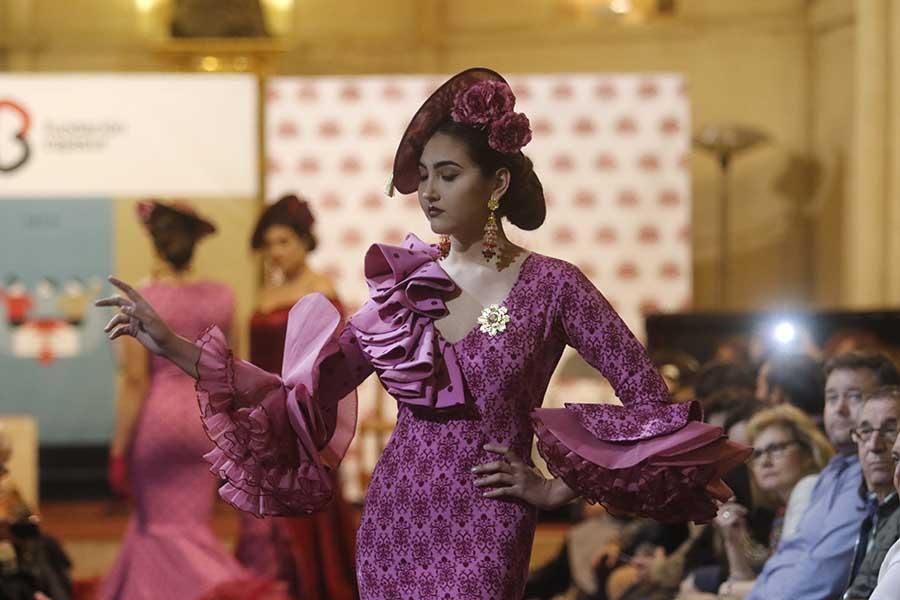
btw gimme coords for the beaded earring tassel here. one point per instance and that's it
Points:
(444, 246)
(489, 250)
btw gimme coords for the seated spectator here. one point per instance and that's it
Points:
(32, 566)
(788, 451)
(735, 349)
(715, 377)
(678, 370)
(570, 570)
(851, 339)
(888, 587)
(658, 572)
(815, 563)
(875, 435)
(793, 379)
(713, 384)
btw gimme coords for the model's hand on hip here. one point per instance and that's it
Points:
(511, 477)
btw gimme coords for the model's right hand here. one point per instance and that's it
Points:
(117, 475)
(136, 318)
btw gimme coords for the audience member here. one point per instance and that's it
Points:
(793, 379)
(875, 434)
(788, 450)
(815, 563)
(888, 587)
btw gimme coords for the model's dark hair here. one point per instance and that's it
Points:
(878, 363)
(175, 235)
(307, 237)
(290, 212)
(523, 203)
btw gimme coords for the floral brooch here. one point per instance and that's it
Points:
(493, 319)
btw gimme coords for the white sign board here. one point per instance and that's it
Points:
(128, 135)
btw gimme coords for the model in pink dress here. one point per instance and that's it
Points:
(169, 550)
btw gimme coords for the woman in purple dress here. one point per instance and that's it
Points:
(466, 346)
(313, 554)
(169, 550)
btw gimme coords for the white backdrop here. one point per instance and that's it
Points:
(610, 151)
(89, 135)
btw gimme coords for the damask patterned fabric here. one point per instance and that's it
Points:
(427, 533)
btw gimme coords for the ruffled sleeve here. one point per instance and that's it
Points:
(279, 439)
(396, 331)
(649, 457)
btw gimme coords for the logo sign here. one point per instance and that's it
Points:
(120, 135)
(14, 125)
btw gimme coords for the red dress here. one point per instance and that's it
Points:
(314, 554)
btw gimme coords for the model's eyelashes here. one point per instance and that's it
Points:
(448, 178)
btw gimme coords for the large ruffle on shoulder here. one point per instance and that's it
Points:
(395, 328)
(276, 441)
(672, 474)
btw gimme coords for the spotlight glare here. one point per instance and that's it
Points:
(785, 332)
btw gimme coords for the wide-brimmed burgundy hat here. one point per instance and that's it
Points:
(289, 210)
(438, 107)
(146, 208)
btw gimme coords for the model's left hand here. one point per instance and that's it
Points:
(510, 477)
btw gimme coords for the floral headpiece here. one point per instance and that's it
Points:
(146, 208)
(489, 105)
(478, 97)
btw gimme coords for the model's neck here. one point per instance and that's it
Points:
(164, 271)
(470, 248)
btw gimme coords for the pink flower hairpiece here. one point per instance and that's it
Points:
(489, 105)
(144, 210)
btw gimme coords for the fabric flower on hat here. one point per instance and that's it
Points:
(510, 133)
(483, 103)
(489, 105)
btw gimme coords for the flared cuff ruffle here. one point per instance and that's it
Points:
(273, 448)
(672, 477)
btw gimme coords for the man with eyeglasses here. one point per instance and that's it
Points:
(815, 563)
(875, 434)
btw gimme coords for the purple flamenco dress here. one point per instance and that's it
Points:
(170, 550)
(427, 533)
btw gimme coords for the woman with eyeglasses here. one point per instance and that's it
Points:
(788, 450)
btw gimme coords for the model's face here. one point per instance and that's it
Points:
(284, 250)
(844, 391)
(876, 433)
(453, 193)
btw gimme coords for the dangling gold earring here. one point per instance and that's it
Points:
(489, 249)
(444, 246)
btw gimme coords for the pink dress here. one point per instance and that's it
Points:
(427, 533)
(169, 550)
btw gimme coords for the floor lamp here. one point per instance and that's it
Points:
(724, 142)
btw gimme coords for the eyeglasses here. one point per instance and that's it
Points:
(772, 451)
(862, 434)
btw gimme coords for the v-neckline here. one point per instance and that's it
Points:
(477, 327)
